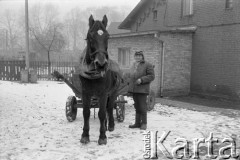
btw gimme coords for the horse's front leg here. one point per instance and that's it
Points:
(110, 106)
(102, 117)
(86, 114)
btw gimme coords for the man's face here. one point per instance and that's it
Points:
(138, 58)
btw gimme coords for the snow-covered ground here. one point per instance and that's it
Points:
(33, 126)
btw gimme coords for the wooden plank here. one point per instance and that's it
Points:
(8, 71)
(12, 71)
(1, 68)
(58, 66)
(39, 69)
(15, 70)
(36, 63)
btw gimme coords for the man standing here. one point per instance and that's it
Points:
(141, 75)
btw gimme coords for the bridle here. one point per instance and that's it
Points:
(93, 54)
(94, 74)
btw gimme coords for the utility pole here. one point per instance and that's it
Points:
(27, 36)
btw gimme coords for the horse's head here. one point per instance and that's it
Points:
(97, 44)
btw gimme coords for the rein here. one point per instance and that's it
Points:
(89, 69)
(98, 51)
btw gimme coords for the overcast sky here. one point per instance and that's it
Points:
(66, 4)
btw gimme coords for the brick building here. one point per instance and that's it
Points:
(194, 45)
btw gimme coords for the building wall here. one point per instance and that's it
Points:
(216, 52)
(216, 49)
(152, 51)
(177, 59)
(205, 13)
(177, 63)
(216, 62)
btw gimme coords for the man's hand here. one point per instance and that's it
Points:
(139, 81)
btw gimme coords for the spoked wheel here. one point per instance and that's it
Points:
(151, 100)
(71, 112)
(120, 109)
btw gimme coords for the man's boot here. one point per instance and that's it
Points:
(137, 121)
(144, 122)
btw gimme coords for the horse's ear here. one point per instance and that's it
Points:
(91, 21)
(105, 20)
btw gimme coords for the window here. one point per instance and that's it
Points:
(124, 56)
(187, 7)
(155, 15)
(229, 4)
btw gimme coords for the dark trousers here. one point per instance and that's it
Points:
(140, 105)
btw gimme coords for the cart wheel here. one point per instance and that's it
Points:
(120, 109)
(71, 112)
(151, 100)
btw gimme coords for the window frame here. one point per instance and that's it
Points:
(121, 61)
(187, 8)
(155, 14)
(228, 4)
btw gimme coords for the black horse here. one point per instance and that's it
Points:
(100, 78)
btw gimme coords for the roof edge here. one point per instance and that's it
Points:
(190, 29)
(132, 13)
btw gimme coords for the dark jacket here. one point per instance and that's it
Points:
(144, 71)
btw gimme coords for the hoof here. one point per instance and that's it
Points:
(111, 129)
(85, 140)
(102, 141)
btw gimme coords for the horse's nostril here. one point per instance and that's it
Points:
(101, 64)
(97, 63)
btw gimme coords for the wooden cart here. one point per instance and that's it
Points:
(75, 102)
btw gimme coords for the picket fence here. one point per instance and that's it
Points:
(11, 70)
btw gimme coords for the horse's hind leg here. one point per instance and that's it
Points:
(110, 106)
(86, 114)
(102, 117)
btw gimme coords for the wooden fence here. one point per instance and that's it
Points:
(11, 70)
(64, 68)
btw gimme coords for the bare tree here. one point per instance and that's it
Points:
(9, 21)
(46, 31)
(76, 27)
(76, 22)
(115, 14)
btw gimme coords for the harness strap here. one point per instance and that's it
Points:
(97, 51)
(89, 70)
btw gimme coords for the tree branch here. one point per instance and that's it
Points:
(39, 40)
(54, 34)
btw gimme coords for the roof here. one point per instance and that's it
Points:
(126, 24)
(113, 28)
(190, 29)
